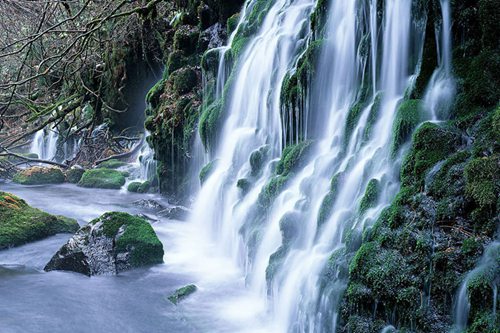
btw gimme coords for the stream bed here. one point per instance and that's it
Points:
(32, 300)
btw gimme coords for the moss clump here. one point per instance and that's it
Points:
(112, 164)
(207, 170)
(293, 158)
(482, 177)
(39, 175)
(370, 198)
(431, 144)
(20, 223)
(209, 121)
(186, 39)
(257, 159)
(184, 80)
(139, 187)
(327, 205)
(232, 23)
(182, 293)
(102, 178)
(138, 237)
(244, 185)
(485, 321)
(74, 175)
(407, 118)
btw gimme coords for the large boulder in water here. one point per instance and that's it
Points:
(39, 175)
(110, 244)
(102, 178)
(21, 223)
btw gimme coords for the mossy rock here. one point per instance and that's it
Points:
(482, 177)
(74, 175)
(110, 244)
(232, 23)
(370, 198)
(184, 80)
(39, 175)
(139, 187)
(408, 116)
(186, 39)
(112, 164)
(102, 178)
(182, 293)
(21, 223)
(207, 170)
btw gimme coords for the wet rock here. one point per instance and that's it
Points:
(39, 175)
(21, 223)
(182, 293)
(149, 204)
(110, 244)
(102, 178)
(175, 213)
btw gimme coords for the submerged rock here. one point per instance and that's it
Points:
(110, 244)
(175, 213)
(102, 178)
(39, 175)
(148, 203)
(182, 293)
(21, 223)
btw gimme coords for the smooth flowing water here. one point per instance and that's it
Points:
(134, 301)
(376, 80)
(487, 267)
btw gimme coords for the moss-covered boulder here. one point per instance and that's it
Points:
(139, 187)
(182, 293)
(21, 223)
(74, 175)
(110, 244)
(112, 164)
(102, 178)
(39, 175)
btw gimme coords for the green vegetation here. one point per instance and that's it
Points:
(482, 176)
(139, 187)
(111, 164)
(138, 237)
(74, 175)
(20, 223)
(370, 198)
(207, 170)
(39, 175)
(408, 116)
(182, 293)
(102, 178)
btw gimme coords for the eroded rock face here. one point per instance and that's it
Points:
(108, 245)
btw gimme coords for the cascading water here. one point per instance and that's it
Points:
(487, 267)
(44, 145)
(441, 90)
(300, 254)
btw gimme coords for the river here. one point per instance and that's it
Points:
(135, 301)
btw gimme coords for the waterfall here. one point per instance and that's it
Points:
(295, 252)
(441, 89)
(487, 267)
(45, 144)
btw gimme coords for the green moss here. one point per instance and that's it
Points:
(232, 23)
(112, 164)
(431, 144)
(102, 178)
(352, 121)
(207, 170)
(74, 175)
(138, 237)
(139, 187)
(373, 116)
(257, 159)
(209, 121)
(293, 157)
(39, 175)
(485, 321)
(182, 293)
(244, 185)
(408, 116)
(370, 198)
(20, 223)
(184, 80)
(483, 180)
(186, 39)
(327, 204)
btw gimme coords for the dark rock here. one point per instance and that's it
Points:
(175, 213)
(149, 204)
(110, 244)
